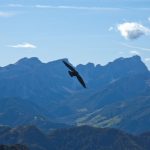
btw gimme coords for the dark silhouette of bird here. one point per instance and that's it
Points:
(72, 72)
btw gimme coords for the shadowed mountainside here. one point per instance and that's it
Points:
(13, 147)
(81, 138)
(32, 92)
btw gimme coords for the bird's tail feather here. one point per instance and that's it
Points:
(70, 73)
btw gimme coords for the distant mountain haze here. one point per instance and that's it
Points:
(43, 94)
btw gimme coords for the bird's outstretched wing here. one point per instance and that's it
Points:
(69, 66)
(76, 73)
(81, 80)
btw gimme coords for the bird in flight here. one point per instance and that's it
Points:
(72, 72)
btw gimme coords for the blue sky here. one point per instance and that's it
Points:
(84, 31)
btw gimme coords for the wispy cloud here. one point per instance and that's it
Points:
(132, 30)
(134, 52)
(136, 47)
(41, 6)
(147, 59)
(6, 14)
(121, 52)
(23, 45)
(15, 5)
(77, 7)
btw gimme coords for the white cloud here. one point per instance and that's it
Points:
(134, 52)
(135, 47)
(147, 59)
(6, 14)
(77, 7)
(132, 30)
(121, 52)
(23, 45)
(15, 5)
(94, 8)
(43, 6)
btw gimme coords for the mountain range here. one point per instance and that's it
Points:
(81, 138)
(43, 94)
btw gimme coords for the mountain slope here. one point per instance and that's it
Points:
(81, 138)
(28, 135)
(32, 92)
(18, 111)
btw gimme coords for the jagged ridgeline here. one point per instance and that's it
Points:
(43, 94)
